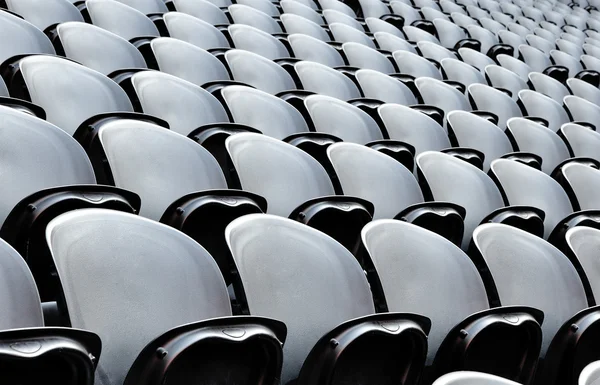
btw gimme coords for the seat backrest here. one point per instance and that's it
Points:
(323, 80)
(434, 51)
(500, 77)
(344, 33)
(20, 299)
(442, 95)
(185, 106)
(203, 10)
(536, 59)
(528, 271)
(157, 164)
(44, 14)
(332, 16)
(307, 280)
(590, 375)
(583, 181)
(415, 65)
(582, 110)
(377, 25)
(243, 14)
(584, 90)
(564, 59)
(283, 174)
(548, 86)
(417, 34)
(3, 89)
(453, 180)
(270, 115)
(376, 85)
(449, 33)
(341, 119)
(531, 136)
(297, 8)
(475, 58)
(413, 127)
(265, 6)
(146, 6)
(21, 37)
(581, 140)
(590, 62)
(486, 98)
(392, 43)
(408, 12)
(361, 56)
(523, 185)
(181, 59)
(476, 132)
(259, 72)
(254, 40)
(298, 24)
(166, 280)
(195, 31)
(70, 93)
(462, 72)
(422, 272)
(97, 48)
(120, 19)
(308, 48)
(376, 177)
(543, 106)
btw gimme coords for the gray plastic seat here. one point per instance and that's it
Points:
(343, 120)
(512, 39)
(486, 98)
(582, 110)
(487, 38)
(473, 131)
(500, 77)
(184, 105)
(532, 137)
(534, 58)
(181, 59)
(566, 60)
(435, 51)
(409, 13)
(264, 6)
(44, 14)
(203, 10)
(472, 378)
(548, 86)
(378, 25)
(344, 33)
(489, 24)
(297, 24)
(540, 43)
(590, 62)
(268, 114)
(569, 47)
(453, 180)
(146, 6)
(258, 71)
(254, 40)
(97, 48)
(423, 272)
(582, 141)
(417, 34)
(283, 174)
(529, 271)
(120, 19)
(415, 65)
(413, 127)
(195, 31)
(161, 167)
(545, 34)
(582, 182)
(301, 264)
(70, 93)
(392, 43)
(524, 185)
(543, 106)
(590, 375)
(578, 40)
(58, 160)
(462, 72)
(166, 281)
(297, 8)
(308, 48)
(243, 14)
(374, 8)
(338, 6)
(592, 50)
(431, 14)
(361, 56)
(326, 81)
(376, 177)
(376, 85)
(442, 95)
(332, 16)
(21, 37)
(475, 58)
